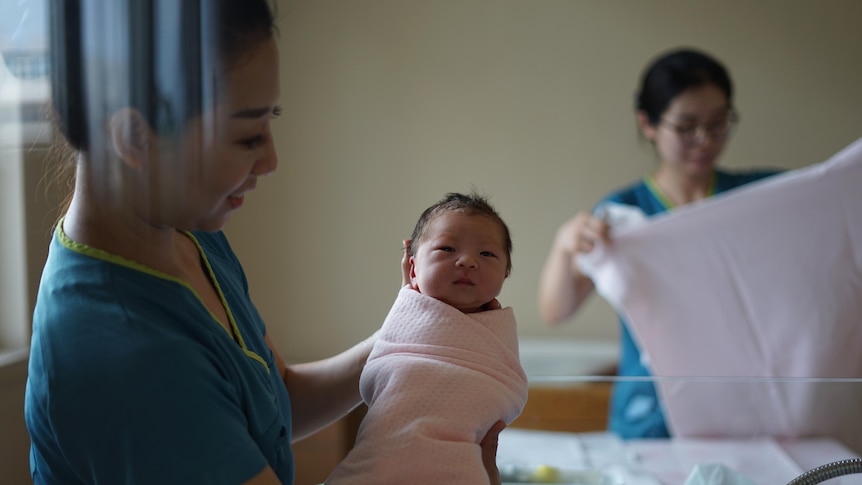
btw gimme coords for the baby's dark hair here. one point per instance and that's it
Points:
(473, 203)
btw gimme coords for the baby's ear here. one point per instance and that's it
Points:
(132, 136)
(413, 282)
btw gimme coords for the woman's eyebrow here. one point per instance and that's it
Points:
(685, 117)
(251, 113)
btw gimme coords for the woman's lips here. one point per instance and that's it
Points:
(236, 201)
(238, 198)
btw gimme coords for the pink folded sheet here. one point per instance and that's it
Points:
(757, 295)
(435, 382)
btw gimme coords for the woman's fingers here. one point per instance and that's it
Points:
(493, 305)
(489, 452)
(587, 231)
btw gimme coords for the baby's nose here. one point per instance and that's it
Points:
(467, 261)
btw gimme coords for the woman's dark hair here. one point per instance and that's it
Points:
(675, 72)
(157, 56)
(473, 203)
(161, 57)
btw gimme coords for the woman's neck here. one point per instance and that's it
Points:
(112, 226)
(683, 189)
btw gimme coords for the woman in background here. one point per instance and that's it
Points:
(684, 108)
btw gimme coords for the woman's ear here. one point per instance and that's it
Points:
(132, 137)
(646, 128)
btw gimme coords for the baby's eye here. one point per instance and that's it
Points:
(488, 254)
(276, 111)
(447, 249)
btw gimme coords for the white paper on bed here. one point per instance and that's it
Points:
(760, 282)
(436, 381)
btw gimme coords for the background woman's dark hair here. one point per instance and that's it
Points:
(675, 72)
(473, 203)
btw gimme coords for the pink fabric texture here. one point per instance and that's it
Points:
(756, 294)
(435, 382)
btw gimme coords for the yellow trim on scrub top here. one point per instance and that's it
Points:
(656, 191)
(121, 261)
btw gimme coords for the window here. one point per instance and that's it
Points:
(24, 135)
(24, 85)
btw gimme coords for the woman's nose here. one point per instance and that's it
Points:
(268, 162)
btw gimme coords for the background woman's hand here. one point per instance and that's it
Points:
(562, 286)
(580, 233)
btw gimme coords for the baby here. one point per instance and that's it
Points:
(445, 366)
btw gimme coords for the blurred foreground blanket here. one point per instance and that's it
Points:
(748, 305)
(435, 382)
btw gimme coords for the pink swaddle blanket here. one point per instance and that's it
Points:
(435, 382)
(764, 285)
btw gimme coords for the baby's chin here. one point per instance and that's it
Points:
(491, 305)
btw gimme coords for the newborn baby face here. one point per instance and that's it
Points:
(461, 260)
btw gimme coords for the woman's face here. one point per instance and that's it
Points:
(682, 137)
(205, 175)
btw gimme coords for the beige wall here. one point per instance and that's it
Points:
(391, 103)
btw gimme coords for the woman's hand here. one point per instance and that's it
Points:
(580, 233)
(489, 452)
(562, 287)
(492, 305)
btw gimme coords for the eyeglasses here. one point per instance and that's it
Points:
(716, 129)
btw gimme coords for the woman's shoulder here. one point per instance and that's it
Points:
(728, 179)
(625, 191)
(631, 194)
(215, 242)
(91, 304)
(221, 256)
